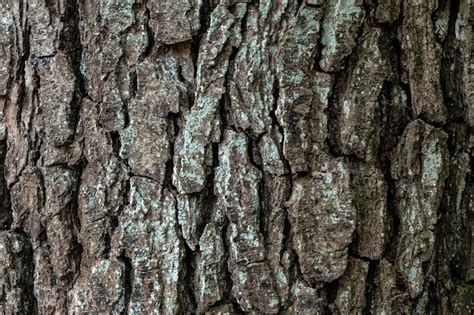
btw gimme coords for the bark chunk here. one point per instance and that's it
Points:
(146, 143)
(423, 60)
(191, 169)
(252, 85)
(351, 293)
(190, 212)
(359, 99)
(253, 285)
(27, 200)
(322, 220)
(388, 298)
(210, 271)
(100, 290)
(147, 235)
(370, 199)
(388, 11)
(341, 23)
(114, 37)
(102, 185)
(45, 27)
(420, 168)
(295, 56)
(45, 214)
(275, 191)
(307, 300)
(6, 40)
(269, 150)
(57, 88)
(16, 274)
(174, 21)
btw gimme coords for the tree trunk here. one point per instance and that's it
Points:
(236, 156)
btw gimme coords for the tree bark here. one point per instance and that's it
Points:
(236, 156)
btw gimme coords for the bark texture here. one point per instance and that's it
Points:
(236, 156)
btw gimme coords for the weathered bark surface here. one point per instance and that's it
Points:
(236, 156)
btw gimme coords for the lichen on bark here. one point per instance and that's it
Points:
(236, 156)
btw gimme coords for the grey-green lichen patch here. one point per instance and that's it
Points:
(322, 220)
(190, 161)
(420, 168)
(359, 100)
(342, 20)
(423, 61)
(147, 235)
(315, 2)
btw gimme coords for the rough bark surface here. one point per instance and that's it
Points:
(236, 156)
